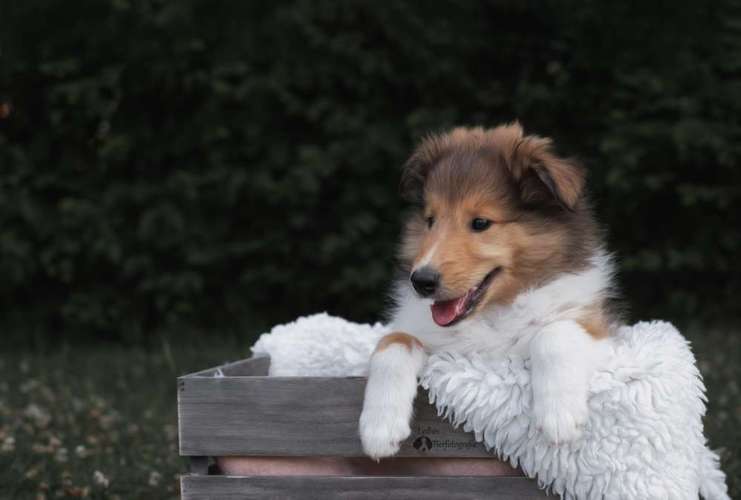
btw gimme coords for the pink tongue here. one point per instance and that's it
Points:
(444, 313)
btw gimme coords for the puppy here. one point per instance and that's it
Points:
(502, 257)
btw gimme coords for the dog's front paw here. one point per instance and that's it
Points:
(382, 430)
(561, 421)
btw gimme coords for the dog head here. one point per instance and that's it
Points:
(498, 211)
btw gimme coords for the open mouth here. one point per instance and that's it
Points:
(450, 312)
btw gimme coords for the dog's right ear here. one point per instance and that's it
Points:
(543, 177)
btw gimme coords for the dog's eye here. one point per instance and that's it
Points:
(430, 221)
(479, 224)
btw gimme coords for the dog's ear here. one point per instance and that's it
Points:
(429, 152)
(413, 179)
(542, 175)
(418, 167)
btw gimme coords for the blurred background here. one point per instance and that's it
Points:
(175, 177)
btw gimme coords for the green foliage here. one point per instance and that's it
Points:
(220, 164)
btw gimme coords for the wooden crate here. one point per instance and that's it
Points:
(237, 410)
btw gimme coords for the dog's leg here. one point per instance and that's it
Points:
(389, 394)
(564, 357)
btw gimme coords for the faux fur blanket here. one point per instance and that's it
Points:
(644, 438)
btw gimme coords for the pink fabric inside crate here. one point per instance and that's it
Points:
(340, 466)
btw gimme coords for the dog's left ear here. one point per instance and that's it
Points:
(418, 167)
(413, 178)
(542, 175)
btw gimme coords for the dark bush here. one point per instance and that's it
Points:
(214, 165)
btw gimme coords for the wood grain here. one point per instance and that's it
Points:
(297, 416)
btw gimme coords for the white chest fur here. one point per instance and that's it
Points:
(541, 324)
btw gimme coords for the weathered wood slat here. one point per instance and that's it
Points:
(358, 488)
(297, 416)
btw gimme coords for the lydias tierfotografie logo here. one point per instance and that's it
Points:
(422, 443)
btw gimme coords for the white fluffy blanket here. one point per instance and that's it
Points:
(644, 438)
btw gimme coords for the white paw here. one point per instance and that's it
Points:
(382, 429)
(561, 421)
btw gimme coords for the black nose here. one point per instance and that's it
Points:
(425, 281)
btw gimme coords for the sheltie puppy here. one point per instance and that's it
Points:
(502, 257)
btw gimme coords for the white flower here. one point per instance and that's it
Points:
(81, 451)
(100, 480)
(61, 455)
(154, 478)
(37, 414)
(8, 444)
(32, 473)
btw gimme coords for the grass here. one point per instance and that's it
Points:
(95, 422)
(101, 422)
